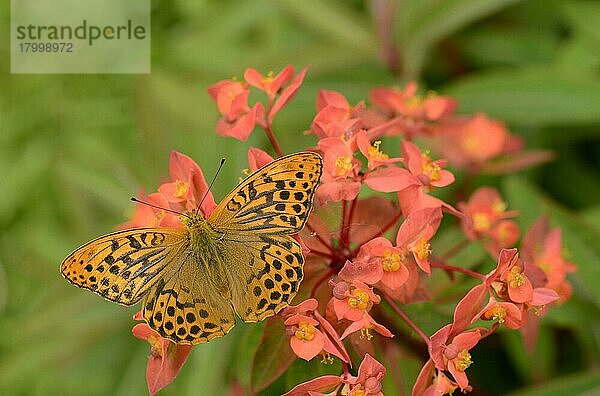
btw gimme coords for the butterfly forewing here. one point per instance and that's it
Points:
(275, 199)
(123, 266)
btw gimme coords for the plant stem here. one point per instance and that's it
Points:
(273, 140)
(318, 284)
(409, 322)
(319, 238)
(346, 230)
(455, 250)
(465, 271)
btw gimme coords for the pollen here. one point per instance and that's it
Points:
(496, 313)
(515, 278)
(155, 346)
(422, 249)
(305, 331)
(375, 152)
(268, 78)
(391, 260)
(481, 222)
(430, 168)
(499, 206)
(463, 360)
(343, 165)
(365, 334)
(359, 299)
(326, 357)
(181, 188)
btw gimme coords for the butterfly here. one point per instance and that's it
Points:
(192, 279)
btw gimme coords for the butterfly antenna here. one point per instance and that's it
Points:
(211, 184)
(158, 207)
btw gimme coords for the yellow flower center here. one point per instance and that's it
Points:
(359, 392)
(414, 102)
(463, 360)
(375, 153)
(481, 222)
(155, 346)
(181, 188)
(326, 357)
(268, 78)
(422, 249)
(499, 206)
(391, 260)
(497, 313)
(515, 277)
(365, 333)
(359, 299)
(430, 168)
(343, 165)
(305, 331)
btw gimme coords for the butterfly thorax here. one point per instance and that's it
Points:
(205, 246)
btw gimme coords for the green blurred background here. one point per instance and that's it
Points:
(74, 148)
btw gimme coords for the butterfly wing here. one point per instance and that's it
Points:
(187, 308)
(268, 271)
(276, 199)
(264, 263)
(124, 265)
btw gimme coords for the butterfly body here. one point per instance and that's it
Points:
(192, 279)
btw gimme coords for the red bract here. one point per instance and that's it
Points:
(417, 111)
(335, 116)
(340, 171)
(238, 119)
(505, 313)
(165, 360)
(542, 248)
(270, 83)
(452, 354)
(486, 219)
(147, 216)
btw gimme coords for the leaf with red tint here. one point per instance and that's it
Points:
(272, 357)
(514, 162)
(369, 217)
(468, 308)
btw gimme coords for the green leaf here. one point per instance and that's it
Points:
(534, 96)
(424, 23)
(273, 356)
(579, 384)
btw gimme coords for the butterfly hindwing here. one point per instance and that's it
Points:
(122, 266)
(275, 199)
(266, 272)
(187, 308)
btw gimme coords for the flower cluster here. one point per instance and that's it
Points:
(371, 239)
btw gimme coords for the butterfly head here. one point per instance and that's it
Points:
(191, 219)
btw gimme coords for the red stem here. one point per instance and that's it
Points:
(323, 254)
(316, 235)
(346, 230)
(273, 140)
(318, 284)
(457, 269)
(343, 223)
(409, 322)
(455, 250)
